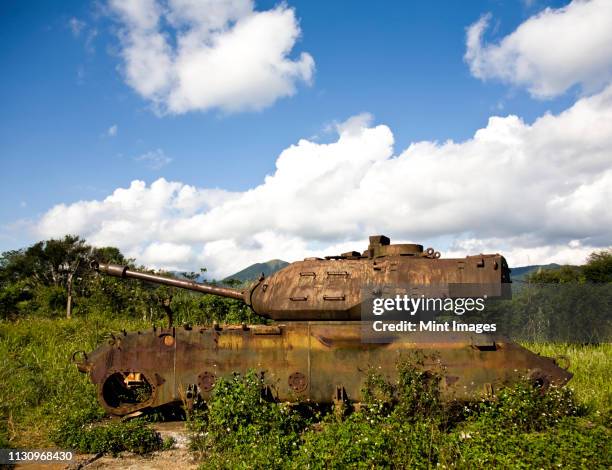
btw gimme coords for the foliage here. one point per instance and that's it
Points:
(78, 432)
(357, 442)
(415, 394)
(592, 369)
(37, 279)
(240, 428)
(403, 424)
(45, 262)
(566, 304)
(40, 388)
(572, 443)
(599, 267)
(561, 275)
(197, 309)
(526, 428)
(34, 281)
(4, 431)
(15, 298)
(168, 443)
(527, 408)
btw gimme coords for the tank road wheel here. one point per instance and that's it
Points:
(298, 382)
(124, 392)
(206, 381)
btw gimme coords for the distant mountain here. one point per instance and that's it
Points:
(520, 273)
(254, 271)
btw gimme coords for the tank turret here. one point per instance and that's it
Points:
(314, 351)
(330, 288)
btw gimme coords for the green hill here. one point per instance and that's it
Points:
(255, 270)
(519, 273)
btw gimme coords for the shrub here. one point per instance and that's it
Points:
(81, 431)
(526, 428)
(241, 428)
(573, 443)
(527, 408)
(398, 425)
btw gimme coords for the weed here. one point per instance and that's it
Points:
(44, 400)
(78, 432)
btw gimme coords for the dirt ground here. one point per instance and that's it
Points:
(169, 459)
(176, 458)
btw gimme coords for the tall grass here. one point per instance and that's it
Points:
(40, 388)
(38, 383)
(592, 369)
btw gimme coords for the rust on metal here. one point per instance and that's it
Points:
(330, 289)
(298, 382)
(314, 350)
(206, 381)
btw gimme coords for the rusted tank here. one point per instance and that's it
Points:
(314, 349)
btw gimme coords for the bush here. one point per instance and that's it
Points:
(573, 443)
(527, 408)
(525, 428)
(240, 428)
(402, 424)
(81, 432)
(398, 425)
(13, 298)
(369, 443)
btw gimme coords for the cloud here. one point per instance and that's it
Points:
(76, 26)
(198, 55)
(537, 192)
(549, 53)
(79, 29)
(155, 159)
(112, 130)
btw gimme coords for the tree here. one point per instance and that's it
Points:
(51, 263)
(560, 275)
(191, 276)
(598, 267)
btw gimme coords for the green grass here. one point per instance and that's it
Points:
(39, 385)
(592, 369)
(402, 424)
(44, 401)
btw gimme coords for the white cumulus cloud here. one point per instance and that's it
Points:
(112, 130)
(538, 192)
(186, 55)
(550, 52)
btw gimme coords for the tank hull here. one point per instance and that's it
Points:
(314, 361)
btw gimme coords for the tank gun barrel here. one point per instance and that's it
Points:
(124, 272)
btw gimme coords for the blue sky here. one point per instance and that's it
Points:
(64, 87)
